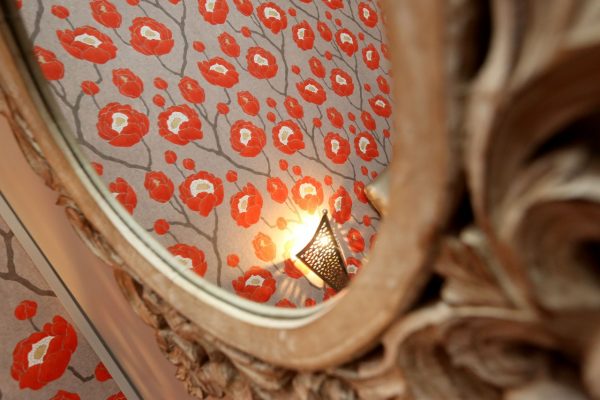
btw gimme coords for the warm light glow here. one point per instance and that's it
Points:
(300, 235)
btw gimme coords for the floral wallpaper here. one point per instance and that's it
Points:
(43, 356)
(225, 127)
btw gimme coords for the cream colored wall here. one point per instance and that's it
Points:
(90, 281)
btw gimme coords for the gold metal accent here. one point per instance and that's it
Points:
(323, 256)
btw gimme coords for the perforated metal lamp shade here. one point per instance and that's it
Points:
(324, 257)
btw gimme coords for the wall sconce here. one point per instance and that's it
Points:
(324, 256)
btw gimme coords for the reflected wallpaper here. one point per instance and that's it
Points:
(225, 127)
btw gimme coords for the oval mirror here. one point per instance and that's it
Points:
(236, 139)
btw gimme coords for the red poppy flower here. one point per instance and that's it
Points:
(248, 102)
(352, 266)
(355, 241)
(257, 284)
(229, 45)
(160, 188)
(371, 57)
(60, 12)
(121, 125)
(329, 292)
(293, 107)
(244, 6)
(277, 189)
(44, 356)
(246, 206)
(303, 35)
(25, 310)
(272, 16)
(341, 82)
(64, 395)
(335, 117)
(285, 303)
(261, 63)
(287, 137)
(264, 247)
(365, 146)
(308, 194)
(105, 13)
(51, 67)
(312, 91)
(346, 41)
(247, 139)
(124, 194)
(151, 37)
(201, 192)
(90, 88)
(180, 124)
(161, 226)
(101, 373)
(213, 11)
(128, 83)
(368, 120)
(383, 84)
(119, 395)
(334, 4)
(160, 83)
(191, 90)
(367, 15)
(337, 149)
(381, 106)
(190, 257)
(359, 191)
(340, 205)
(291, 270)
(324, 31)
(316, 67)
(88, 43)
(219, 72)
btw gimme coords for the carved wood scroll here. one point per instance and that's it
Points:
(511, 308)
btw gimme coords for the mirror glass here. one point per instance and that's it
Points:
(225, 128)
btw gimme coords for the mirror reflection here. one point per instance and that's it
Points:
(240, 134)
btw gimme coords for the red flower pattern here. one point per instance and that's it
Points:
(124, 194)
(213, 11)
(121, 125)
(295, 84)
(160, 188)
(44, 356)
(288, 137)
(261, 63)
(303, 35)
(190, 257)
(191, 90)
(365, 146)
(257, 284)
(219, 72)
(272, 16)
(277, 189)
(337, 149)
(246, 206)
(88, 43)
(51, 67)
(247, 139)
(180, 125)
(201, 192)
(340, 205)
(150, 37)
(25, 310)
(308, 194)
(105, 13)
(128, 83)
(312, 91)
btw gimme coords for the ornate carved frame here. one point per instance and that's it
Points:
(458, 300)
